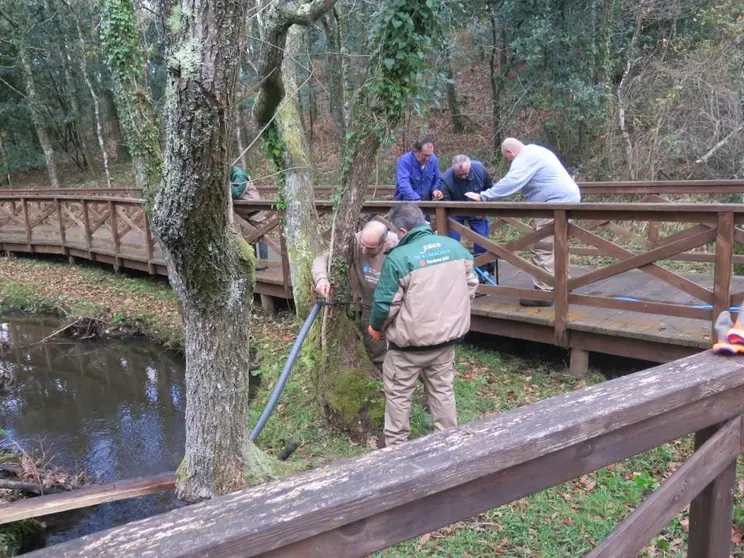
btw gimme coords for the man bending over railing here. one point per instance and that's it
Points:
(462, 177)
(540, 176)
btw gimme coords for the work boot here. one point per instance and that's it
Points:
(532, 303)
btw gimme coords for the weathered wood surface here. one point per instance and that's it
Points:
(647, 520)
(360, 505)
(85, 497)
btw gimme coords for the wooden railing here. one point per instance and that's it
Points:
(358, 506)
(618, 188)
(117, 231)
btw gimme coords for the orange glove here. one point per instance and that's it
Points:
(376, 335)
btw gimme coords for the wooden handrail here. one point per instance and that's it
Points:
(702, 187)
(361, 505)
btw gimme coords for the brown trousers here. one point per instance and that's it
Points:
(376, 350)
(542, 254)
(401, 371)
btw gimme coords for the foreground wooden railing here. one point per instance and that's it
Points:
(358, 506)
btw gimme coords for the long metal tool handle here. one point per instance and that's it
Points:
(285, 373)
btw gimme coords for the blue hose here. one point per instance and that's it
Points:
(285, 372)
(485, 276)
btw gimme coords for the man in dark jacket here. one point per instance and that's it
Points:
(422, 303)
(462, 177)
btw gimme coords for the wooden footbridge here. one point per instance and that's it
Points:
(637, 276)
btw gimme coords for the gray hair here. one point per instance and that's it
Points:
(459, 160)
(407, 216)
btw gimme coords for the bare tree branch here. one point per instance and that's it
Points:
(307, 14)
(277, 22)
(716, 147)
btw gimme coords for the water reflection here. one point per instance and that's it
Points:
(112, 408)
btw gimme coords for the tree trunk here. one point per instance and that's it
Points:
(210, 267)
(4, 155)
(239, 135)
(335, 73)
(499, 68)
(114, 122)
(341, 13)
(94, 97)
(78, 133)
(629, 159)
(284, 138)
(38, 120)
(454, 105)
(121, 48)
(344, 374)
(301, 229)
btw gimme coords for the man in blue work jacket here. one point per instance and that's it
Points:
(417, 174)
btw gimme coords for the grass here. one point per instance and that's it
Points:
(563, 521)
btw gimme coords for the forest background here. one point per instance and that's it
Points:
(622, 90)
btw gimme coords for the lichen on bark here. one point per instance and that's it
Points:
(210, 267)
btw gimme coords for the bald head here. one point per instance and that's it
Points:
(510, 148)
(373, 238)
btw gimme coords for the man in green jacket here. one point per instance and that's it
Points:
(422, 303)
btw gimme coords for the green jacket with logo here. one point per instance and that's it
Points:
(422, 299)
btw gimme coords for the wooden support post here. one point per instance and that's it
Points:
(26, 225)
(645, 522)
(114, 233)
(148, 244)
(560, 253)
(442, 221)
(267, 303)
(722, 274)
(579, 363)
(711, 512)
(86, 229)
(653, 233)
(62, 238)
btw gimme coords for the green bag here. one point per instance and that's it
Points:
(238, 181)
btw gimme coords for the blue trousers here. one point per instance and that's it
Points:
(478, 225)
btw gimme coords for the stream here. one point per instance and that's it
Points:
(111, 408)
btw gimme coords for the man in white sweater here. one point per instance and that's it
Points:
(540, 176)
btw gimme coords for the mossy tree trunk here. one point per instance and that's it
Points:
(121, 48)
(343, 375)
(210, 267)
(301, 227)
(276, 110)
(402, 37)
